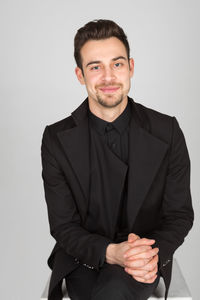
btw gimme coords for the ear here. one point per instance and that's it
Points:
(79, 75)
(131, 67)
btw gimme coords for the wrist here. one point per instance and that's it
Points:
(111, 254)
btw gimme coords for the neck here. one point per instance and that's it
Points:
(108, 114)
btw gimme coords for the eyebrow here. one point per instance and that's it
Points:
(98, 61)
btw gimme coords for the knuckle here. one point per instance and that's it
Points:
(149, 279)
(130, 264)
(154, 252)
(151, 267)
(131, 272)
(139, 279)
(128, 271)
(143, 263)
(143, 273)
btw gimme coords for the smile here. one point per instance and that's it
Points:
(109, 89)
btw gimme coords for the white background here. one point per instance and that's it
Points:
(38, 87)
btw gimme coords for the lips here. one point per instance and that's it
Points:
(109, 89)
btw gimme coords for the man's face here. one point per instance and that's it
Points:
(106, 71)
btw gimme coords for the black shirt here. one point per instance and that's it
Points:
(115, 135)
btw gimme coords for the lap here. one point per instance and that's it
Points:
(110, 282)
(80, 283)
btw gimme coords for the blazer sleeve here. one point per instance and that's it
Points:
(177, 211)
(64, 218)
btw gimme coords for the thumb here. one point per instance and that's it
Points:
(132, 237)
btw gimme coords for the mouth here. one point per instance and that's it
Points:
(109, 89)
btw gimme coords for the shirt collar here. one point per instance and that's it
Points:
(120, 123)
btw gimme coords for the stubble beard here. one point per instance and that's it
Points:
(104, 101)
(110, 101)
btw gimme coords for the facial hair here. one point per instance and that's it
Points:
(103, 99)
(107, 104)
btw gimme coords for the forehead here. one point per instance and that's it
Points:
(101, 50)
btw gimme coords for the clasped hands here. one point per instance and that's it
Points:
(136, 256)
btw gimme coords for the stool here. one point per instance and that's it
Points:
(178, 289)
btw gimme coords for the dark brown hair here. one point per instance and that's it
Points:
(98, 30)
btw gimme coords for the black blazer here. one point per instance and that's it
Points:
(159, 200)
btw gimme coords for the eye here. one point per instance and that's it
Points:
(95, 68)
(117, 65)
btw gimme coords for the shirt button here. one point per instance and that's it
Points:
(113, 145)
(109, 127)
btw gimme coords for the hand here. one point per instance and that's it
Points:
(136, 256)
(145, 274)
(140, 252)
(141, 260)
(115, 252)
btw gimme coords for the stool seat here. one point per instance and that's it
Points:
(178, 289)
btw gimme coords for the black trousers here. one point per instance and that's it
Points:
(110, 283)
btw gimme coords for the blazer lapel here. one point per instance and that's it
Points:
(146, 153)
(75, 142)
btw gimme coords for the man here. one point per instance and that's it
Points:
(116, 179)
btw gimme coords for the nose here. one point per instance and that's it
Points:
(108, 74)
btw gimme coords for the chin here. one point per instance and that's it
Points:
(109, 102)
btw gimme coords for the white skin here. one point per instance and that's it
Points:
(107, 73)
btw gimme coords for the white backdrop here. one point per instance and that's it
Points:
(38, 87)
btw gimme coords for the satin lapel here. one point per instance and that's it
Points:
(146, 153)
(75, 143)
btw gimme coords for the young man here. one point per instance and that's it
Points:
(116, 179)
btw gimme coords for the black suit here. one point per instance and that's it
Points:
(158, 204)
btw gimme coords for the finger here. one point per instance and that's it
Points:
(151, 264)
(141, 253)
(136, 250)
(146, 275)
(140, 279)
(138, 264)
(136, 272)
(147, 254)
(151, 274)
(132, 237)
(142, 242)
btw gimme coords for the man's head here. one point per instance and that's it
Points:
(98, 30)
(103, 63)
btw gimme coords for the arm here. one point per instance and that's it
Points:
(177, 211)
(64, 218)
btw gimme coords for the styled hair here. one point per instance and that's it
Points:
(98, 30)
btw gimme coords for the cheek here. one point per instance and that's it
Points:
(91, 79)
(127, 78)
(123, 76)
(94, 80)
